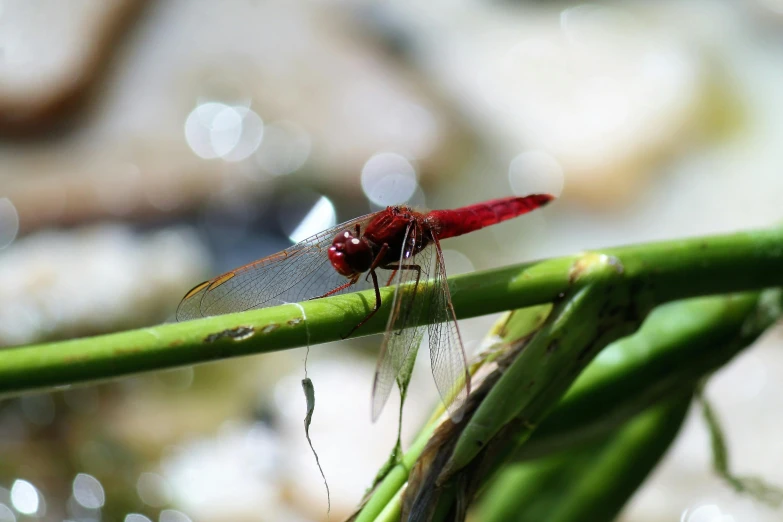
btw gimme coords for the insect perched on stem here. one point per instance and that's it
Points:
(397, 246)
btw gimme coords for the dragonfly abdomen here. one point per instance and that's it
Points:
(451, 223)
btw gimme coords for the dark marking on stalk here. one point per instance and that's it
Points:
(587, 349)
(591, 259)
(615, 263)
(127, 351)
(240, 333)
(76, 358)
(590, 347)
(271, 327)
(503, 330)
(579, 267)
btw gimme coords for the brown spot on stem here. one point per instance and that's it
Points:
(590, 260)
(126, 351)
(240, 333)
(76, 359)
(270, 328)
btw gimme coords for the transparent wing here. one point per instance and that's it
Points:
(447, 354)
(298, 273)
(410, 302)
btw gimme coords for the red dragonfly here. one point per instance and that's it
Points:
(398, 245)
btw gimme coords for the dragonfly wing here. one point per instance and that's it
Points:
(190, 306)
(403, 336)
(447, 353)
(298, 273)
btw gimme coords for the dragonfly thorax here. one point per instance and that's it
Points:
(350, 255)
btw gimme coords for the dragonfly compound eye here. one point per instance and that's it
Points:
(350, 255)
(339, 261)
(359, 254)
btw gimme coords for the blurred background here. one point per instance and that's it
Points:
(146, 146)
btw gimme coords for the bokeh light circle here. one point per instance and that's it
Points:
(6, 515)
(171, 515)
(285, 149)
(9, 222)
(389, 178)
(216, 130)
(25, 497)
(136, 517)
(88, 491)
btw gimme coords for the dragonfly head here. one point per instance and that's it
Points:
(349, 254)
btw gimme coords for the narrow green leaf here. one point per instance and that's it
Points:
(309, 391)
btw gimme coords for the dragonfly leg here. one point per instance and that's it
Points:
(417, 268)
(374, 310)
(351, 281)
(377, 261)
(371, 273)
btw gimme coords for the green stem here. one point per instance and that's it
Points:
(677, 345)
(591, 482)
(621, 468)
(391, 486)
(584, 321)
(660, 271)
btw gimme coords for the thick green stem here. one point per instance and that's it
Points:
(591, 482)
(579, 326)
(677, 346)
(621, 468)
(659, 272)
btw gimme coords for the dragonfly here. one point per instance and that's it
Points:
(398, 247)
